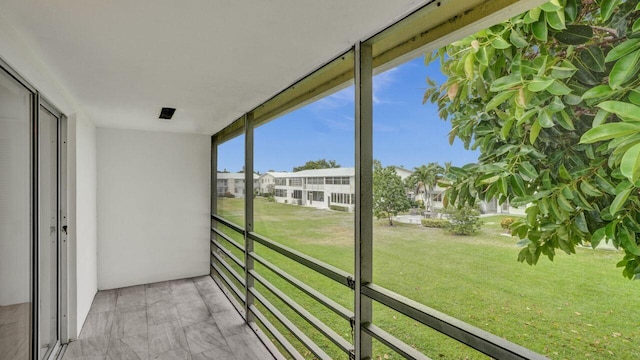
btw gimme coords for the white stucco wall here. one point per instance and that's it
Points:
(82, 216)
(153, 206)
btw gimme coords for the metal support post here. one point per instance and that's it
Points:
(214, 194)
(364, 197)
(248, 214)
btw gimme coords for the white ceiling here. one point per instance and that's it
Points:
(213, 60)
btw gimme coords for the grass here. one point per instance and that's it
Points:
(575, 307)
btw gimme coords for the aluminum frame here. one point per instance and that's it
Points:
(37, 100)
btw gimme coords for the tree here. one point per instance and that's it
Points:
(318, 164)
(389, 196)
(464, 220)
(551, 98)
(426, 176)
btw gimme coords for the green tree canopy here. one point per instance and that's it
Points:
(426, 176)
(317, 164)
(389, 195)
(551, 99)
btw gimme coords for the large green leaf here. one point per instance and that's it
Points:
(624, 69)
(571, 10)
(499, 99)
(517, 39)
(556, 20)
(607, 7)
(528, 171)
(539, 28)
(551, 6)
(565, 69)
(630, 165)
(545, 119)
(599, 91)
(609, 131)
(539, 83)
(532, 15)
(622, 49)
(625, 111)
(505, 83)
(500, 43)
(634, 97)
(619, 201)
(575, 34)
(593, 58)
(558, 88)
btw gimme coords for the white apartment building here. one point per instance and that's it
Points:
(320, 188)
(230, 183)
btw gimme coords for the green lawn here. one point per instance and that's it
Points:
(576, 307)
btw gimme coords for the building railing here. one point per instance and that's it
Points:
(473, 337)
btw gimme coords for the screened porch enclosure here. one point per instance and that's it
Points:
(277, 298)
(134, 242)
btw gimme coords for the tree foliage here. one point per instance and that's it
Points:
(551, 99)
(426, 177)
(317, 164)
(463, 220)
(389, 196)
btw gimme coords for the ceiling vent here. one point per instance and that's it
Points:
(167, 113)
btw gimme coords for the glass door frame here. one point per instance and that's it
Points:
(38, 100)
(61, 228)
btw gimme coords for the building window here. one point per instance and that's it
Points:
(339, 198)
(317, 195)
(281, 181)
(315, 181)
(341, 180)
(297, 194)
(295, 182)
(281, 193)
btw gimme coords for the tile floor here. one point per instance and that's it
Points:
(188, 319)
(15, 327)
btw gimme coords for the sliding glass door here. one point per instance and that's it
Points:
(15, 220)
(48, 231)
(32, 200)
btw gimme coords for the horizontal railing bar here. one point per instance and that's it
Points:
(228, 267)
(229, 224)
(264, 338)
(469, 335)
(295, 331)
(228, 239)
(229, 283)
(327, 270)
(338, 340)
(239, 308)
(395, 344)
(276, 334)
(313, 293)
(228, 253)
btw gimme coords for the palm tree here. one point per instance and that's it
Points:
(426, 176)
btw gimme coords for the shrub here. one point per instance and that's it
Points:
(435, 223)
(464, 220)
(339, 208)
(506, 223)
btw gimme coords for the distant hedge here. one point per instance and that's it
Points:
(435, 223)
(339, 208)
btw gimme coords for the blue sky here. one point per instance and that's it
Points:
(406, 132)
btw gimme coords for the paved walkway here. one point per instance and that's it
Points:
(188, 319)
